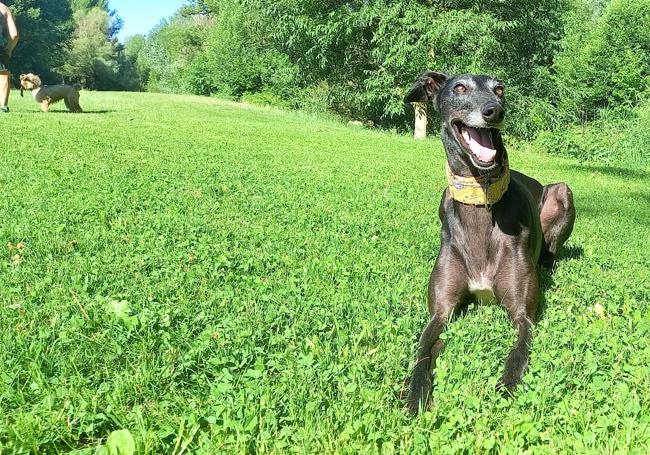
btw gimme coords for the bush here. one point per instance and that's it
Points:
(314, 98)
(172, 56)
(617, 137)
(133, 74)
(265, 99)
(605, 61)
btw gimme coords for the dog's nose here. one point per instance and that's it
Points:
(492, 112)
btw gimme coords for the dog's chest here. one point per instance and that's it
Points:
(482, 289)
(481, 254)
(479, 244)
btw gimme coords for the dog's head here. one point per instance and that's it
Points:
(472, 109)
(29, 82)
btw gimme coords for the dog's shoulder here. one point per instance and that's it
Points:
(523, 210)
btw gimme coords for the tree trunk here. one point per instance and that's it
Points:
(421, 110)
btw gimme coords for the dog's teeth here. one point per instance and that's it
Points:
(466, 135)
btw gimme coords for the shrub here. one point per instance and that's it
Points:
(617, 137)
(265, 99)
(173, 53)
(605, 61)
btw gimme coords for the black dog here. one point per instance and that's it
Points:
(497, 224)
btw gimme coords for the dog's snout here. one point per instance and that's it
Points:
(492, 112)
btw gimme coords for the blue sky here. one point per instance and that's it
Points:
(141, 15)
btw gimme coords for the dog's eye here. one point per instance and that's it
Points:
(460, 88)
(499, 91)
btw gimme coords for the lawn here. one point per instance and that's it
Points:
(221, 278)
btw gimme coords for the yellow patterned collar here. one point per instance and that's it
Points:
(479, 191)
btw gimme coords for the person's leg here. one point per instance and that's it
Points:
(4, 89)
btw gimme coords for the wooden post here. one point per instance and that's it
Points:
(421, 110)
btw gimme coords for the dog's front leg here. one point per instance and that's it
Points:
(517, 360)
(447, 289)
(421, 382)
(519, 294)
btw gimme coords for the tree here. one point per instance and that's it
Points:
(133, 73)
(46, 28)
(605, 60)
(93, 52)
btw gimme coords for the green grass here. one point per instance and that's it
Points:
(220, 278)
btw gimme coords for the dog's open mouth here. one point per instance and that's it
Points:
(480, 142)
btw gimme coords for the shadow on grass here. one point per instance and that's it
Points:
(638, 174)
(645, 196)
(569, 252)
(566, 253)
(621, 214)
(107, 111)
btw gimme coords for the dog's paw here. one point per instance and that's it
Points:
(507, 385)
(416, 404)
(419, 394)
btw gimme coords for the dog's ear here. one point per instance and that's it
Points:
(36, 80)
(426, 87)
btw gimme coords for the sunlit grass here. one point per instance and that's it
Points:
(237, 279)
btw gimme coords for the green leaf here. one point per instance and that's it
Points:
(120, 308)
(120, 442)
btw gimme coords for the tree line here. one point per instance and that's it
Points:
(566, 62)
(72, 41)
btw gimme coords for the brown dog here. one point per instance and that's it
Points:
(50, 94)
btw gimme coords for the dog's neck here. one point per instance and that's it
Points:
(34, 91)
(470, 185)
(485, 191)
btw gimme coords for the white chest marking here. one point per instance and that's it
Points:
(482, 290)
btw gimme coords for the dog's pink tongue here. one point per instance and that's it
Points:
(480, 143)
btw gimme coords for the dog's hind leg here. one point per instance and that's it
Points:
(557, 215)
(519, 294)
(447, 288)
(68, 104)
